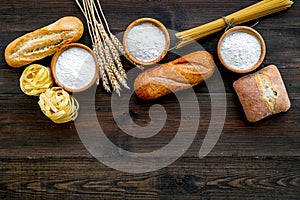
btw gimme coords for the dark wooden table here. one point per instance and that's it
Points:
(43, 160)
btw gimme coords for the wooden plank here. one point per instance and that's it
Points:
(31, 130)
(43, 160)
(85, 178)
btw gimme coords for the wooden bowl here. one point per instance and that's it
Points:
(155, 23)
(253, 33)
(54, 66)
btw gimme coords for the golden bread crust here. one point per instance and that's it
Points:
(43, 42)
(262, 94)
(182, 73)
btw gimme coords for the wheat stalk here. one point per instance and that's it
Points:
(105, 81)
(120, 48)
(120, 74)
(105, 45)
(111, 70)
(118, 67)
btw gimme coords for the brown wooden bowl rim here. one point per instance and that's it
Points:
(157, 24)
(252, 32)
(56, 56)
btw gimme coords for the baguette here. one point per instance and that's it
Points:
(262, 94)
(43, 42)
(180, 74)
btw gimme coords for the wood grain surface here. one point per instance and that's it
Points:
(43, 160)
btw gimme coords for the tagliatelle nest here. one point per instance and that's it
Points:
(58, 105)
(35, 80)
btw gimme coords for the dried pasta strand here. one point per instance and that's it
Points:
(58, 105)
(36, 79)
(255, 11)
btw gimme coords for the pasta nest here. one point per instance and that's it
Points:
(58, 105)
(36, 79)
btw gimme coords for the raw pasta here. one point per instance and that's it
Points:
(255, 11)
(58, 105)
(36, 79)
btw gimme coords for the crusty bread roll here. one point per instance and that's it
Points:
(43, 42)
(182, 73)
(262, 94)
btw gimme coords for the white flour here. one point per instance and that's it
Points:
(75, 68)
(240, 50)
(146, 42)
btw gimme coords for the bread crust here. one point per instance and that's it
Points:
(43, 42)
(182, 73)
(262, 94)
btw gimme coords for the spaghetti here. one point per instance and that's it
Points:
(255, 11)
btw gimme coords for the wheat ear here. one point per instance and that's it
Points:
(101, 61)
(119, 71)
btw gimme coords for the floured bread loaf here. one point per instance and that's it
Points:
(262, 94)
(43, 42)
(180, 74)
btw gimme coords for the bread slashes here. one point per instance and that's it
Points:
(43, 42)
(180, 74)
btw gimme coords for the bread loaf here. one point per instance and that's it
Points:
(262, 94)
(43, 42)
(182, 73)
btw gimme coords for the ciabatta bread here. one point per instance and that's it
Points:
(262, 94)
(43, 42)
(182, 73)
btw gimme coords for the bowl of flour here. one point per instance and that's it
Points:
(146, 41)
(241, 49)
(74, 67)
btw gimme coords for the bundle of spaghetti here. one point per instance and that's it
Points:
(255, 11)
(58, 105)
(36, 79)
